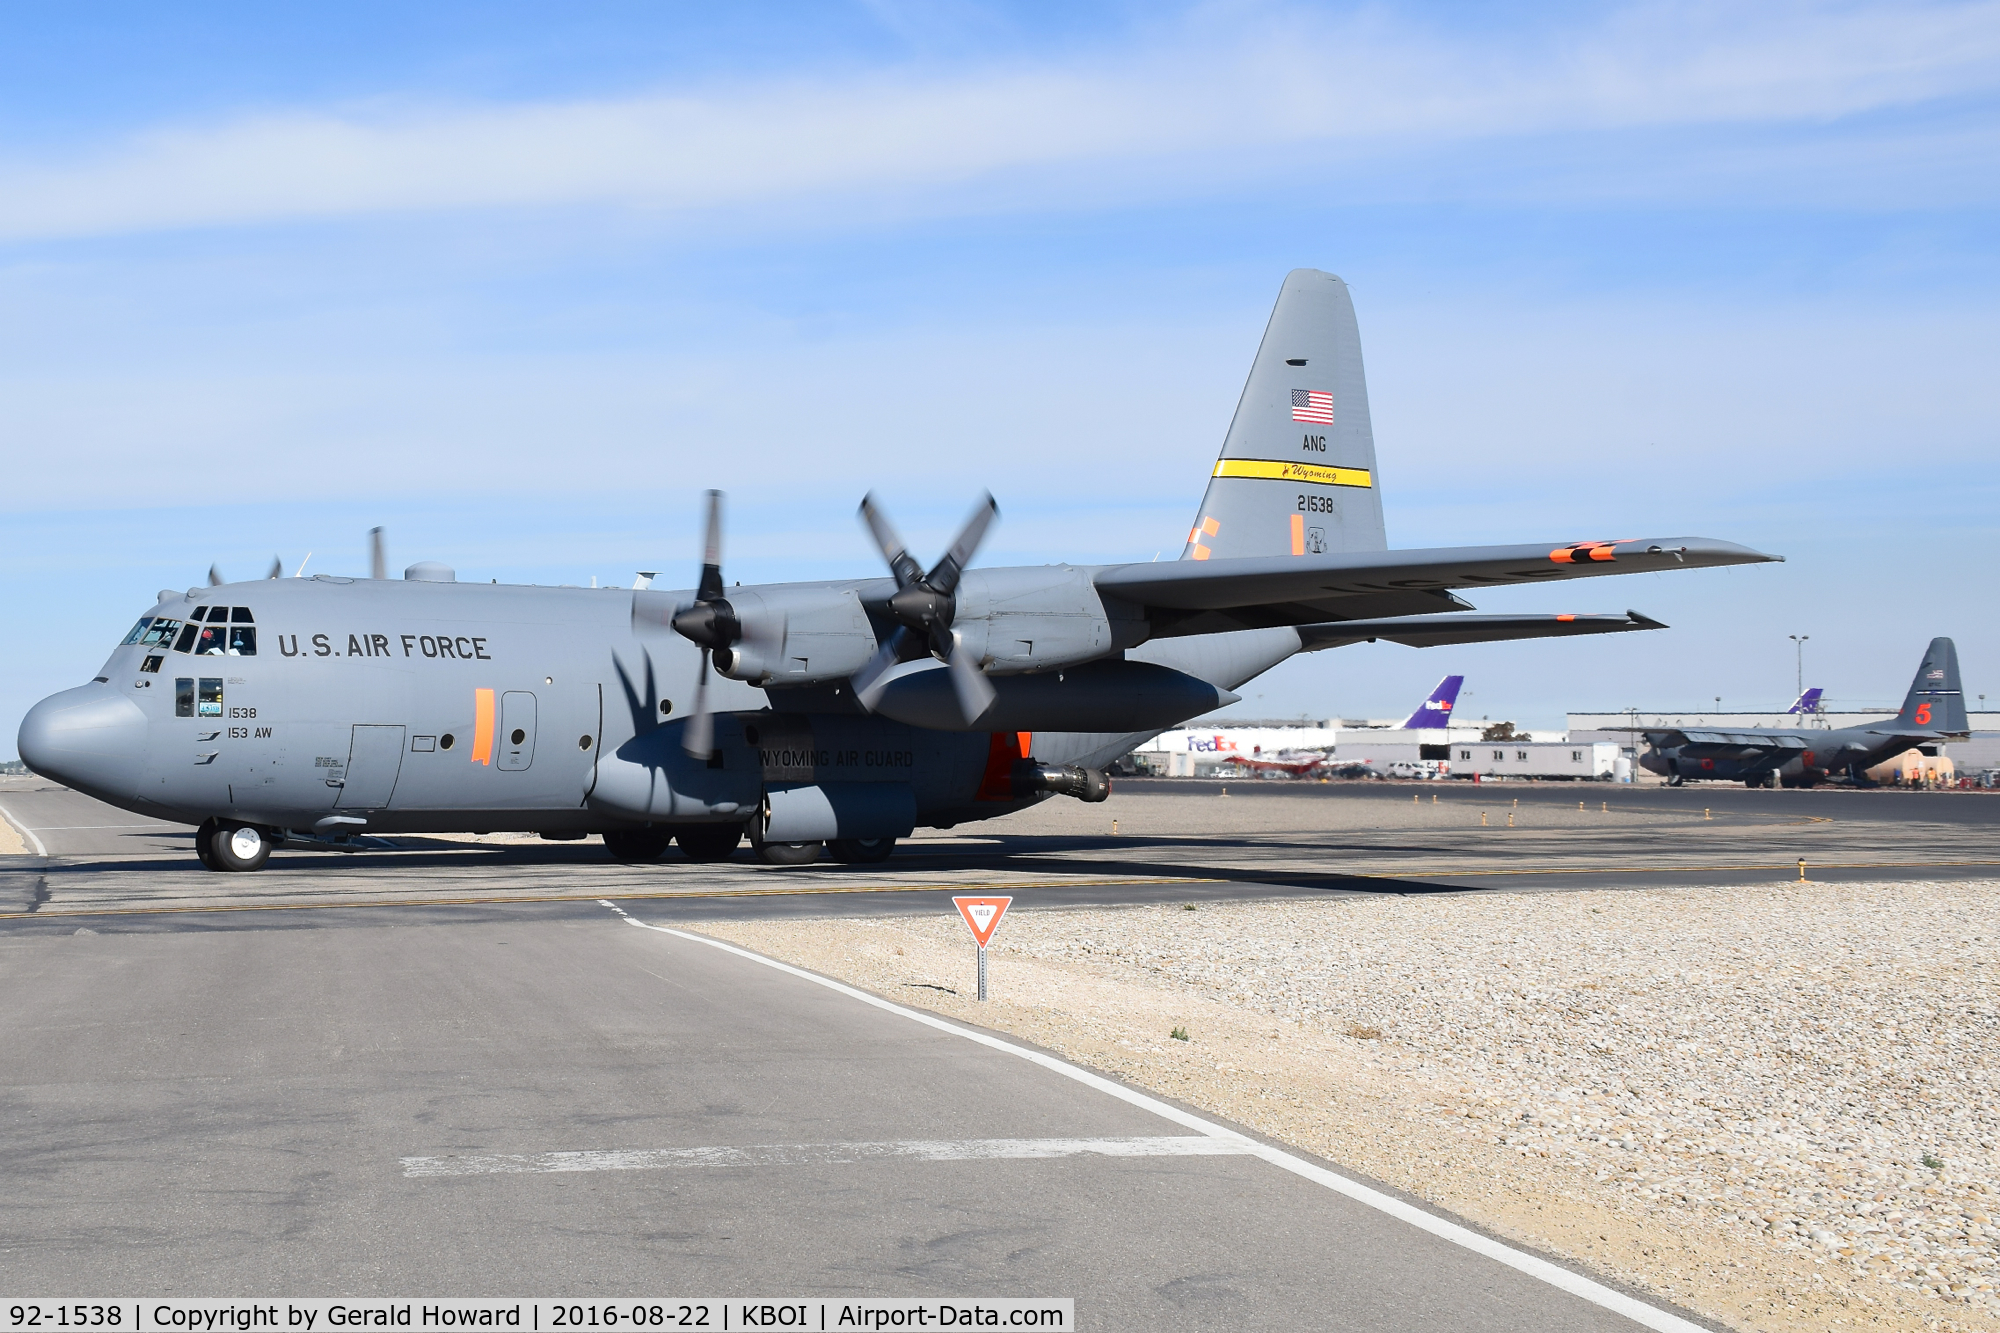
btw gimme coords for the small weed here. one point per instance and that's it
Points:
(1189, 907)
(1362, 1032)
(1180, 1034)
(1933, 1161)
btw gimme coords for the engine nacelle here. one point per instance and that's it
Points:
(802, 634)
(1018, 620)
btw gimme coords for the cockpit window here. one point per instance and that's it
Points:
(137, 630)
(241, 615)
(223, 639)
(161, 632)
(185, 644)
(199, 613)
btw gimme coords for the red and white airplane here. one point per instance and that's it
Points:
(1434, 711)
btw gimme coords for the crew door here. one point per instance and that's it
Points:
(517, 729)
(374, 759)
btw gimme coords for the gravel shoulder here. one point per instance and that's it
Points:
(1770, 1104)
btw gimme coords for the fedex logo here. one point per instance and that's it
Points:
(1209, 744)
(1442, 705)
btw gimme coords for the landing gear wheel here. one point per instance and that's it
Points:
(861, 851)
(788, 853)
(636, 846)
(202, 850)
(1677, 781)
(239, 847)
(709, 842)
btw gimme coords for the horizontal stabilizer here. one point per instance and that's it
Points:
(1437, 631)
(1212, 596)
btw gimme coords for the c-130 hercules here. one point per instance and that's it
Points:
(838, 715)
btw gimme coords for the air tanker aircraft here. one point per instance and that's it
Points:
(832, 716)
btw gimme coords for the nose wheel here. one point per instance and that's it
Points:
(232, 847)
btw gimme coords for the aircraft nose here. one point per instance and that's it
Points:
(90, 738)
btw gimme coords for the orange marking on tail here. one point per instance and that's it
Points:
(1298, 534)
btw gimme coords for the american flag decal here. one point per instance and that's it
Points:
(1312, 405)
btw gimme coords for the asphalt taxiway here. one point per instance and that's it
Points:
(462, 1069)
(1153, 841)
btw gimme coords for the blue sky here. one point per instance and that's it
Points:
(519, 282)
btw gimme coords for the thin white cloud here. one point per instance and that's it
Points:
(1211, 90)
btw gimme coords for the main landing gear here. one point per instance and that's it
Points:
(861, 851)
(699, 842)
(226, 846)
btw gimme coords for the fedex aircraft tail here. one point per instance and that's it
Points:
(1936, 700)
(1807, 702)
(1297, 471)
(1436, 710)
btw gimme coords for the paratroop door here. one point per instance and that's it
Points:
(517, 729)
(374, 759)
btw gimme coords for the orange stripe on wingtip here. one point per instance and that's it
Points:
(1565, 617)
(482, 727)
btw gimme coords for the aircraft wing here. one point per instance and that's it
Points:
(1213, 596)
(1437, 631)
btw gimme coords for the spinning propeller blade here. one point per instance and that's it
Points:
(378, 558)
(924, 606)
(709, 623)
(214, 577)
(277, 568)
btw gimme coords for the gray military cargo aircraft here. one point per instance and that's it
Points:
(806, 716)
(1933, 712)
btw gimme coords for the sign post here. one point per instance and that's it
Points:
(982, 918)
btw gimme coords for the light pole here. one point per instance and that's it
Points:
(1799, 641)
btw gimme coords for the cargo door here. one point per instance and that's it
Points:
(374, 759)
(517, 729)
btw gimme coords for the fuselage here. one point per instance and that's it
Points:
(1814, 757)
(346, 705)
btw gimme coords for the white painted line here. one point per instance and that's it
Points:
(821, 1154)
(1541, 1269)
(72, 828)
(25, 831)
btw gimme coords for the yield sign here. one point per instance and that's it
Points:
(982, 915)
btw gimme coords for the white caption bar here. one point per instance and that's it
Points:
(713, 1314)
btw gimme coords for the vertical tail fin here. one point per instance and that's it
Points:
(1807, 702)
(1297, 471)
(1936, 700)
(1436, 710)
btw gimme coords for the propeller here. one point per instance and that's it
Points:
(277, 568)
(378, 558)
(924, 606)
(710, 623)
(214, 577)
